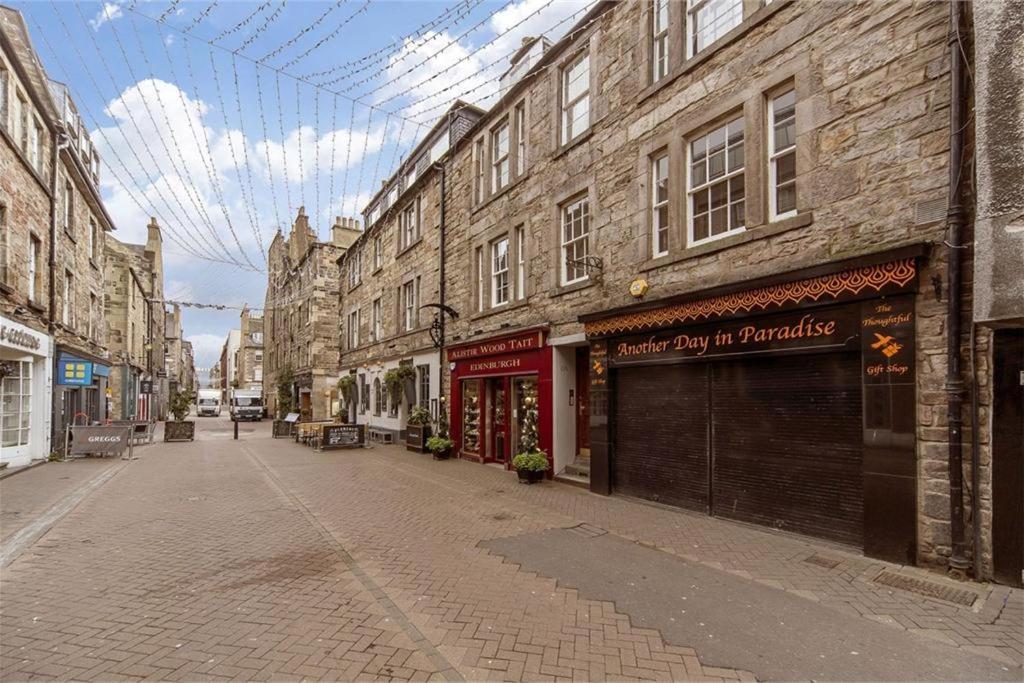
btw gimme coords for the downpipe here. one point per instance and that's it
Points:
(955, 219)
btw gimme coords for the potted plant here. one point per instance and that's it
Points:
(180, 429)
(417, 430)
(347, 389)
(441, 444)
(285, 402)
(531, 462)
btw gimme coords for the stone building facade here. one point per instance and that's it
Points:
(387, 277)
(27, 133)
(300, 319)
(249, 368)
(189, 381)
(639, 184)
(130, 314)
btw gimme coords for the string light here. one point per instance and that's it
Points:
(245, 157)
(266, 149)
(244, 22)
(202, 15)
(284, 146)
(304, 31)
(330, 36)
(261, 28)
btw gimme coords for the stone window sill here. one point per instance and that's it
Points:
(578, 140)
(409, 247)
(503, 191)
(494, 310)
(574, 287)
(800, 220)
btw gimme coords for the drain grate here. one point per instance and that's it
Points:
(928, 589)
(821, 561)
(588, 530)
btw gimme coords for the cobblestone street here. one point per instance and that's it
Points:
(261, 559)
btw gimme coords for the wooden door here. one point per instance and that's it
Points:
(583, 401)
(498, 406)
(1008, 456)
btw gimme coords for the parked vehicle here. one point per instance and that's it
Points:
(208, 403)
(246, 404)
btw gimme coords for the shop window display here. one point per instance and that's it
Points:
(471, 416)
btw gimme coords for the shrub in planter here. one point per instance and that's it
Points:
(285, 402)
(531, 466)
(180, 429)
(347, 390)
(417, 430)
(440, 446)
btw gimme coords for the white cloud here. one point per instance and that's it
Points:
(108, 12)
(206, 348)
(169, 40)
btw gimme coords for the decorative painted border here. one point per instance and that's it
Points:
(899, 273)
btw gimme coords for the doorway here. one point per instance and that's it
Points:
(583, 402)
(498, 419)
(1008, 456)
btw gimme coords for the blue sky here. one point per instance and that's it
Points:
(199, 119)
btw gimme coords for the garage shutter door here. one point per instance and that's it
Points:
(787, 444)
(661, 434)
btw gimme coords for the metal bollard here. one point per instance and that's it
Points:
(236, 429)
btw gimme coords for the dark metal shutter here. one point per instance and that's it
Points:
(787, 441)
(661, 434)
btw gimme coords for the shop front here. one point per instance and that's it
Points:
(789, 405)
(26, 358)
(80, 390)
(498, 385)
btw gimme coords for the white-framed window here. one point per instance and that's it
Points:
(392, 400)
(373, 216)
(93, 316)
(4, 96)
(659, 39)
(376, 321)
(355, 268)
(575, 240)
(409, 224)
(782, 155)
(16, 404)
(520, 262)
(364, 395)
(410, 304)
(423, 393)
(378, 252)
(68, 309)
(716, 183)
(5, 247)
(379, 396)
(478, 168)
(93, 240)
(69, 207)
(410, 177)
(575, 98)
(709, 20)
(34, 151)
(479, 278)
(659, 204)
(519, 116)
(19, 120)
(499, 272)
(353, 329)
(35, 268)
(499, 157)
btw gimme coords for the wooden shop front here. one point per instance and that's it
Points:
(789, 405)
(495, 384)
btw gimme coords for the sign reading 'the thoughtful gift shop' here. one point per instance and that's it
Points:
(832, 328)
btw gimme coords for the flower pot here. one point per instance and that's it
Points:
(443, 455)
(530, 476)
(185, 430)
(416, 438)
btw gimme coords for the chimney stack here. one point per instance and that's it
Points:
(345, 232)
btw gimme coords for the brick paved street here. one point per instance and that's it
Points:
(264, 560)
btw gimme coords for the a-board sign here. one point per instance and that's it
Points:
(110, 440)
(341, 436)
(291, 417)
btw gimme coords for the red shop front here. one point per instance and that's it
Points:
(496, 384)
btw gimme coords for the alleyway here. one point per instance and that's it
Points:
(261, 559)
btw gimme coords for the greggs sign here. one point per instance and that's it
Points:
(823, 328)
(529, 341)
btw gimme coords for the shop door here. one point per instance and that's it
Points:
(1008, 456)
(661, 428)
(786, 439)
(497, 403)
(583, 402)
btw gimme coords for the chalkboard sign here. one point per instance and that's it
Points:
(342, 436)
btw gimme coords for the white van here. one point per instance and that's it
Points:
(208, 403)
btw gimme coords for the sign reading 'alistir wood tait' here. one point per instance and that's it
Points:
(528, 341)
(828, 328)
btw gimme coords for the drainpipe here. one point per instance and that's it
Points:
(955, 219)
(62, 142)
(440, 289)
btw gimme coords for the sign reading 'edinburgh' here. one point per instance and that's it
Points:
(829, 328)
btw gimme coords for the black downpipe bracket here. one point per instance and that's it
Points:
(440, 288)
(955, 219)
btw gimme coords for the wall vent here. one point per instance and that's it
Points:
(930, 211)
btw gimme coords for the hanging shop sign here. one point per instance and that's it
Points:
(818, 330)
(887, 341)
(146, 386)
(74, 372)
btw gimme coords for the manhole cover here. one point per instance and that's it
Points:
(928, 589)
(826, 562)
(587, 530)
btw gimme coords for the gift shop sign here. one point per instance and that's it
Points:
(19, 337)
(822, 329)
(528, 341)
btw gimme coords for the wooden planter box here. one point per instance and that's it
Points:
(443, 455)
(530, 476)
(282, 429)
(416, 438)
(179, 431)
